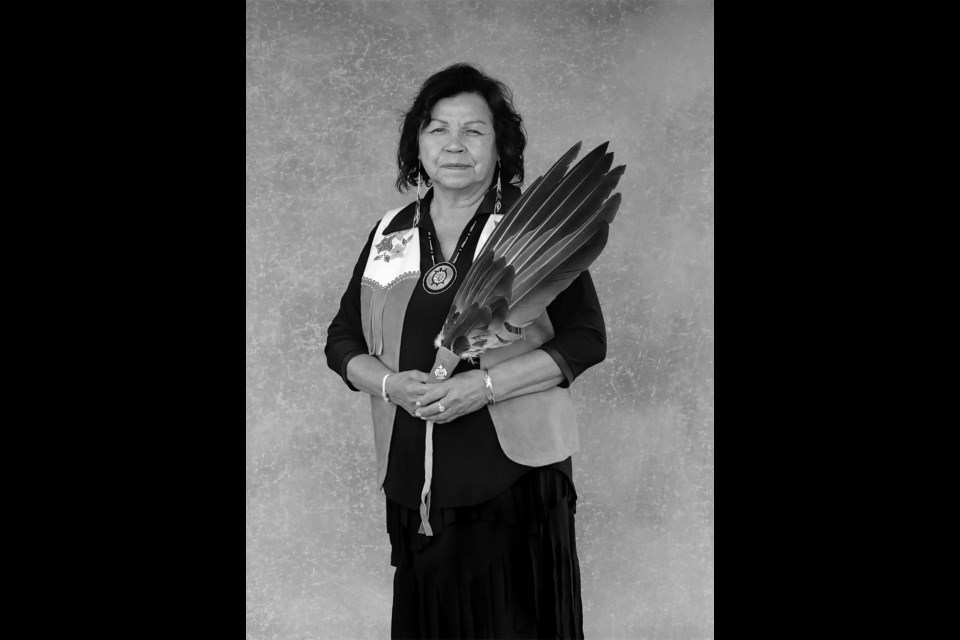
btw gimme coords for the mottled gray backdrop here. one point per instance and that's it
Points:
(325, 82)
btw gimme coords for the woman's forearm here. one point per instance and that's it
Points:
(366, 373)
(466, 392)
(527, 373)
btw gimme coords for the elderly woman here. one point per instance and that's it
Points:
(501, 560)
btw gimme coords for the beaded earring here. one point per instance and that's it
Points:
(496, 205)
(416, 216)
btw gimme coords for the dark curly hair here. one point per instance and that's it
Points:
(451, 81)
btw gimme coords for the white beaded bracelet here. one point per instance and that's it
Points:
(383, 389)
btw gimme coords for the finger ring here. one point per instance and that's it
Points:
(439, 407)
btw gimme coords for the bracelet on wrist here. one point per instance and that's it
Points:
(383, 388)
(488, 386)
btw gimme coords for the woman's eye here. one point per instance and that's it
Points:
(438, 130)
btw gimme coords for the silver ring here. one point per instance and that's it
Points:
(439, 407)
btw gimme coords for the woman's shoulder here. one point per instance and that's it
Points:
(383, 223)
(391, 220)
(393, 212)
(397, 219)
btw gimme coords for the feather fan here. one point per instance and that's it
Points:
(554, 232)
(550, 235)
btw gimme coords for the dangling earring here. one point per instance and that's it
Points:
(496, 205)
(416, 216)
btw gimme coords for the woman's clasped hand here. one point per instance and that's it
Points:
(442, 402)
(405, 388)
(462, 394)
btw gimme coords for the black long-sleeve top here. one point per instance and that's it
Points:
(469, 464)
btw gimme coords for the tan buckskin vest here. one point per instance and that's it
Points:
(536, 429)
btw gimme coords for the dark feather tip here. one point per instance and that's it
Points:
(618, 171)
(568, 157)
(602, 148)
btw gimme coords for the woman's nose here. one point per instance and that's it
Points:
(454, 145)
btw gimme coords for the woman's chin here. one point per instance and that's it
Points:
(458, 183)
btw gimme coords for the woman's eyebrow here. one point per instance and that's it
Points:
(439, 121)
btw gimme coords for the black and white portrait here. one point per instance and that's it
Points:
(564, 488)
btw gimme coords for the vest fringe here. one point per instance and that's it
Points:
(425, 528)
(377, 302)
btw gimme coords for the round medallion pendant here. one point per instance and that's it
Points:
(439, 278)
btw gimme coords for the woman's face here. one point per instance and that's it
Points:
(458, 147)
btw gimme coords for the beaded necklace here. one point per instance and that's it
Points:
(439, 277)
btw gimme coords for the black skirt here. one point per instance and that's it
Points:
(506, 568)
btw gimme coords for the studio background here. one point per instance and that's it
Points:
(325, 83)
